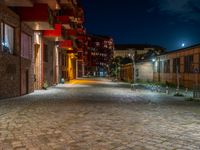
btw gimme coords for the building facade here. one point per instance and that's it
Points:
(42, 42)
(98, 55)
(125, 50)
(181, 66)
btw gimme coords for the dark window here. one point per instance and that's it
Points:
(160, 66)
(167, 66)
(46, 53)
(188, 61)
(26, 46)
(176, 65)
(63, 60)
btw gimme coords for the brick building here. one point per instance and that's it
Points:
(182, 64)
(98, 55)
(41, 41)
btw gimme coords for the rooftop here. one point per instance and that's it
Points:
(182, 49)
(136, 46)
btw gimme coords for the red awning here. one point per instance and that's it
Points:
(57, 32)
(66, 44)
(63, 19)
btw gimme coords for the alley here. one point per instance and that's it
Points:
(98, 114)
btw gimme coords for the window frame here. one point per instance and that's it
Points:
(30, 46)
(3, 25)
(188, 64)
(176, 61)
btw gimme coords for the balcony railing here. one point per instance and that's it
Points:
(57, 34)
(39, 17)
(66, 44)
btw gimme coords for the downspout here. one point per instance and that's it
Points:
(20, 60)
(42, 59)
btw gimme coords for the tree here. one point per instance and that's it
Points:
(114, 66)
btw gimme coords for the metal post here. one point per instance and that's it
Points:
(132, 55)
(177, 75)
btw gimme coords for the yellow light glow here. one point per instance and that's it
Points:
(70, 48)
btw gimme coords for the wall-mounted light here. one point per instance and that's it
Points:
(153, 60)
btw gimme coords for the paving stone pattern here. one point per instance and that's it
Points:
(98, 115)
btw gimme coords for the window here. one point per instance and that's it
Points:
(45, 53)
(161, 66)
(176, 65)
(26, 46)
(7, 38)
(167, 66)
(188, 61)
(2, 35)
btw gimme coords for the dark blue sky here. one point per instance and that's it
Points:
(167, 23)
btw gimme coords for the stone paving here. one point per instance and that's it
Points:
(98, 115)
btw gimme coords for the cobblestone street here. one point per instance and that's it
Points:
(98, 115)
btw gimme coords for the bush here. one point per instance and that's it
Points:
(45, 85)
(193, 99)
(178, 95)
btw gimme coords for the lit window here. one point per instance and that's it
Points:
(7, 38)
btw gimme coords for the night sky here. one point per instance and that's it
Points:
(167, 23)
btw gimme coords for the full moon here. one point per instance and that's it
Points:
(183, 44)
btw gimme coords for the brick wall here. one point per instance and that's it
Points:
(10, 63)
(27, 66)
(186, 79)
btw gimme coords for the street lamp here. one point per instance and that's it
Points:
(132, 56)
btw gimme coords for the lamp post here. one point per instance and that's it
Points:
(132, 55)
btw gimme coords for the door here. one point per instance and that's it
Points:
(27, 83)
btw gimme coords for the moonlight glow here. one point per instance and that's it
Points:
(183, 44)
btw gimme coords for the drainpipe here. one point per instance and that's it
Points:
(159, 65)
(20, 61)
(42, 60)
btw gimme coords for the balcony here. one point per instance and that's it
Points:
(63, 19)
(81, 31)
(66, 44)
(71, 32)
(55, 35)
(38, 17)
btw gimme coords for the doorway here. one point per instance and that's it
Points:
(27, 81)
